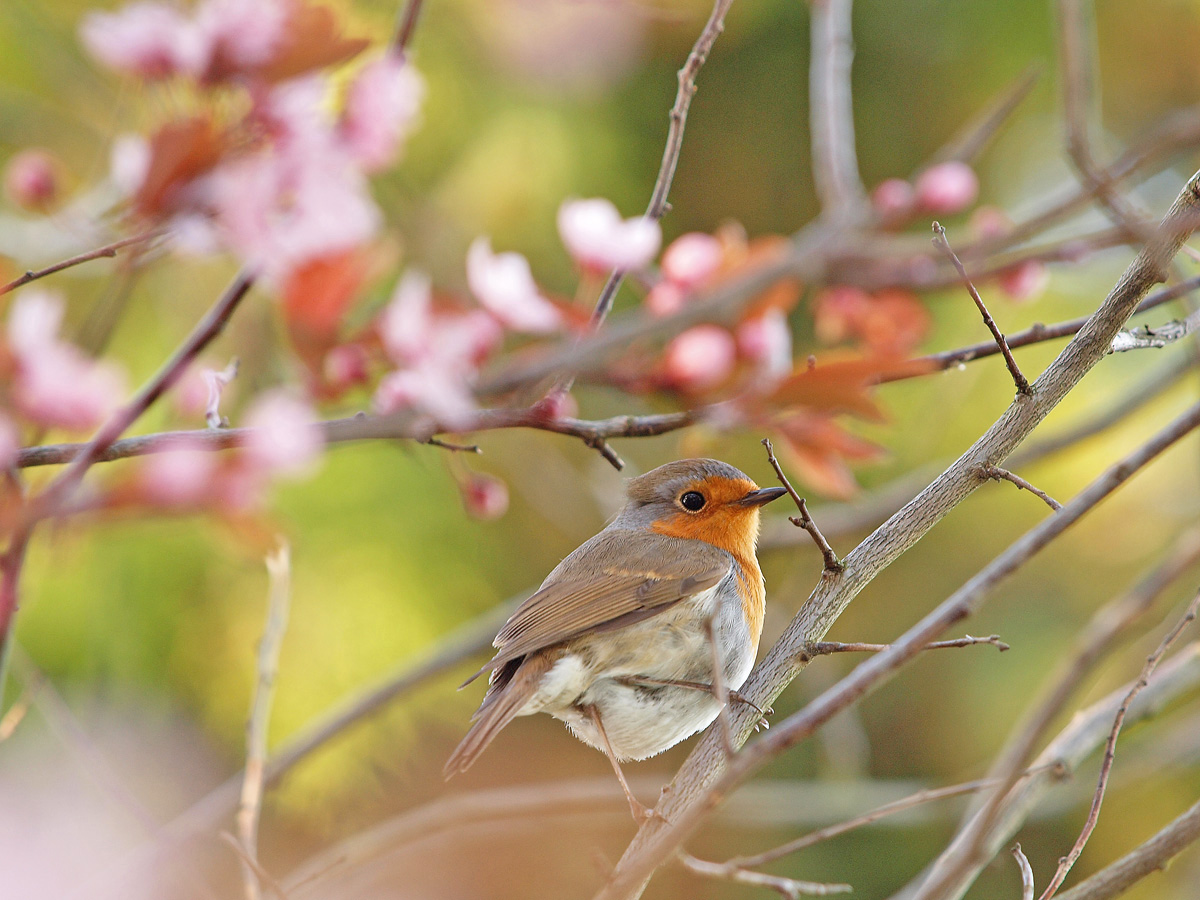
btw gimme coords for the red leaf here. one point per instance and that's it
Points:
(818, 449)
(316, 297)
(312, 39)
(842, 385)
(179, 151)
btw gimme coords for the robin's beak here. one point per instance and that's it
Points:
(762, 496)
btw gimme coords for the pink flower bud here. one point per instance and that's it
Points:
(346, 366)
(484, 496)
(893, 199)
(700, 358)
(31, 180)
(990, 222)
(1025, 281)
(692, 259)
(556, 405)
(665, 298)
(766, 341)
(947, 188)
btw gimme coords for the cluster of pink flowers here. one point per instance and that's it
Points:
(53, 384)
(287, 182)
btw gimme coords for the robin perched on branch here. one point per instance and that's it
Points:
(620, 640)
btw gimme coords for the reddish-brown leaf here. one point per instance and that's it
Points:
(316, 297)
(179, 151)
(841, 385)
(818, 449)
(312, 39)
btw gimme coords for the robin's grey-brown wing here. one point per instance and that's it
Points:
(614, 579)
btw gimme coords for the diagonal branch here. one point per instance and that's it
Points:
(106, 252)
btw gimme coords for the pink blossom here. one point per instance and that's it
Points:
(283, 439)
(692, 259)
(766, 341)
(504, 284)
(990, 222)
(178, 478)
(151, 40)
(440, 392)
(129, 162)
(381, 109)
(345, 366)
(10, 442)
(31, 180)
(1025, 281)
(597, 237)
(700, 358)
(947, 188)
(665, 298)
(240, 34)
(485, 497)
(56, 385)
(405, 321)
(893, 198)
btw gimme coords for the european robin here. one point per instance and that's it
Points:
(616, 642)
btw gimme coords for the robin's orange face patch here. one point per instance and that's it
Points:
(722, 522)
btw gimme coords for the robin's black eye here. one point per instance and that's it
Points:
(692, 501)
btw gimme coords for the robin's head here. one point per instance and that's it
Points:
(698, 499)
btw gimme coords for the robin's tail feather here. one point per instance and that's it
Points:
(504, 700)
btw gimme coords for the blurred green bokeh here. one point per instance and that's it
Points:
(165, 615)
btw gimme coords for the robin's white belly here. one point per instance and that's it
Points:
(642, 720)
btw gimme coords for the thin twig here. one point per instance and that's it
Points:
(1147, 338)
(1152, 856)
(979, 131)
(406, 27)
(786, 887)
(831, 117)
(969, 848)
(1152, 661)
(929, 795)
(1036, 334)
(456, 448)
(1026, 872)
(827, 648)
(255, 866)
(942, 244)
(832, 564)
(1000, 474)
(279, 569)
(107, 251)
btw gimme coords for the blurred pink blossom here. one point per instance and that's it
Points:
(441, 392)
(31, 180)
(665, 298)
(485, 497)
(56, 385)
(1026, 281)
(128, 163)
(990, 222)
(504, 284)
(404, 322)
(946, 188)
(283, 439)
(598, 238)
(766, 341)
(182, 477)
(152, 40)
(692, 259)
(700, 358)
(381, 109)
(240, 34)
(345, 366)
(893, 198)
